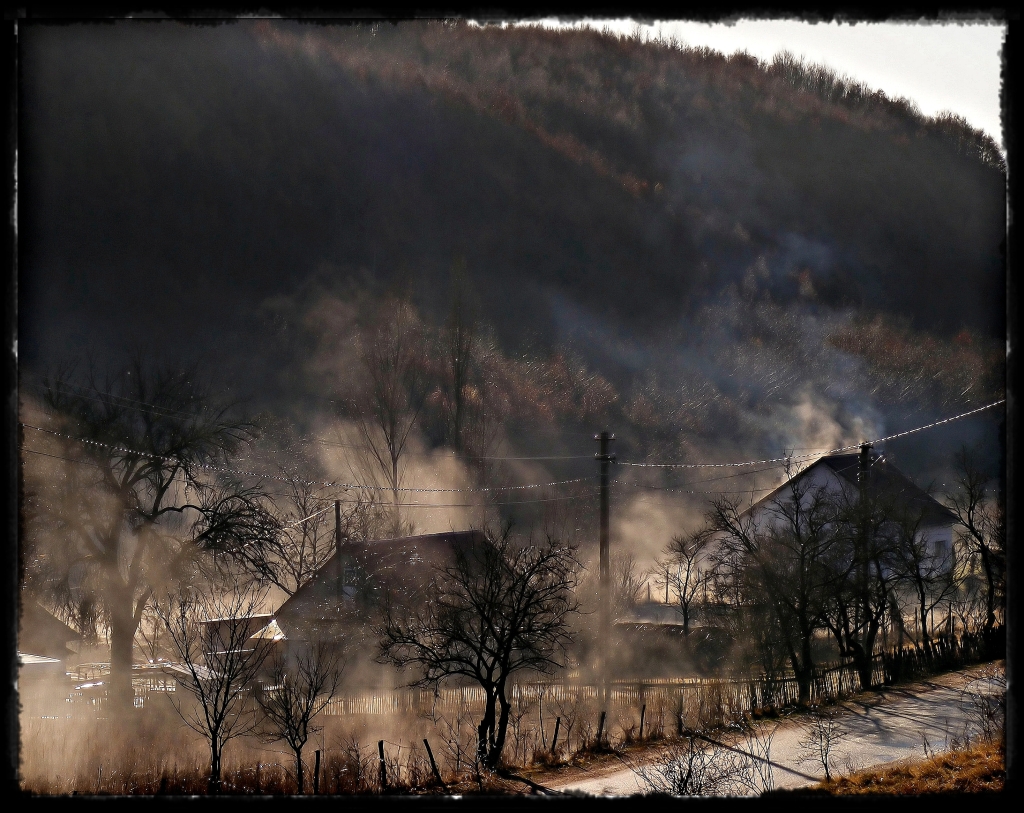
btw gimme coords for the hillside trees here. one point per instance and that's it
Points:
(134, 495)
(500, 609)
(459, 342)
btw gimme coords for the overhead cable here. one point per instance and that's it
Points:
(328, 484)
(402, 504)
(802, 458)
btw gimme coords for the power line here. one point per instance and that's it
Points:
(145, 406)
(401, 504)
(696, 491)
(682, 486)
(929, 426)
(330, 484)
(357, 486)
(713, 465)
(801, 458)
(464, 457)
(306, 519)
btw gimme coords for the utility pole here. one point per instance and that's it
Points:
(339, 576)
(864, 465)
(605, 459)
(337, 526)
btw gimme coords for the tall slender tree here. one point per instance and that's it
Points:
(299, 689)
(687, 571)
(393, 393)
(134, 493)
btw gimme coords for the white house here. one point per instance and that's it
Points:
(880, 479)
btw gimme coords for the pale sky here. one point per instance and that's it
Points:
(939, 66)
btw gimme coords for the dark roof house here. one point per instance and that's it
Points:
(42, 633)
(360, 572)
(883, 481)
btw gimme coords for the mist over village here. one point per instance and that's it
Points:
(432, 408)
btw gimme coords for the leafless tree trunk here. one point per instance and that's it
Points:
(299, 689)
(985, 531)
(777, 561)
(140, 495)
(683, 572)
(861, 574)
(927, 572)
(220, 660)
(501, 608)
(394, 393)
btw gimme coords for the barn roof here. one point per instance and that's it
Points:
(884, 480)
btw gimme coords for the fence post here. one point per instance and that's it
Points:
(433, 765)
(554, 739)
(383, 768)
(316, 773)
(643, 710)
(600, 728)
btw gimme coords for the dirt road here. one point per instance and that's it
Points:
(880, 727)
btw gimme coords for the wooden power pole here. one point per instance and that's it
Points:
(337, 526)
(605, 459)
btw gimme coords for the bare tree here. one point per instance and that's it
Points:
(627, 582)
(969, 602)
(862, 577)
(776, 560)
(683, 570)
(984, 533)
(501, 608)
(303, 538)
(139, 493)
(922, 565)
(299, 690)
(983, 699)
(213, 639)
(823, 735)
(307, 522)
(393, 397)
(694, 767)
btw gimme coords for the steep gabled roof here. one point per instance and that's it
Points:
(42, 633)
(884, 480)
(237, 629)
(405, 561)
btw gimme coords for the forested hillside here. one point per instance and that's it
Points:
(709, 256)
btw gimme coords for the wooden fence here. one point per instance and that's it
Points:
(732, 696)
(729, 696)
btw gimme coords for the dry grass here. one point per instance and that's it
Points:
(979, 767)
